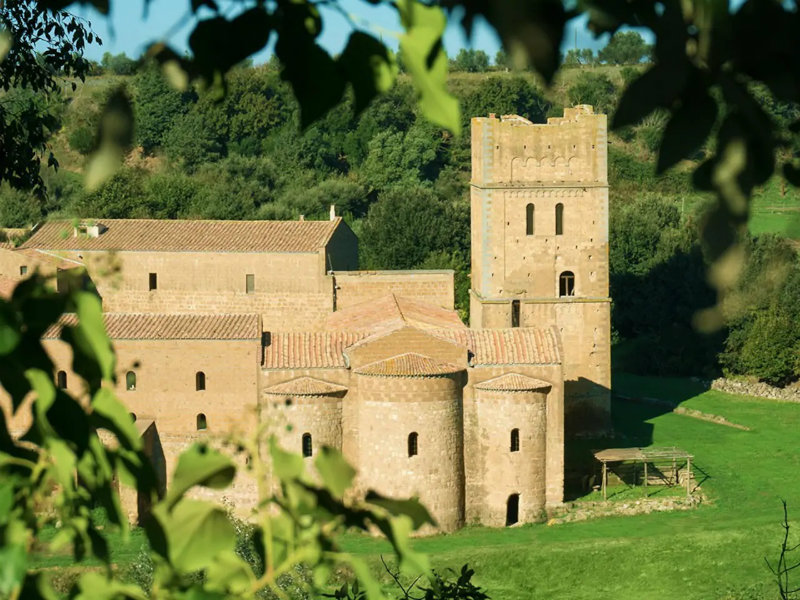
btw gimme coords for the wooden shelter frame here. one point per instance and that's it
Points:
(668, 456)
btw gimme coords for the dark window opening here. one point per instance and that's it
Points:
(23, 270)
(566, 284)
(413, 449)
(202, 422)
(153, 281)
(529, 219)
(200, 381)
(512, 510)
(130, 381)
(515, 313)
(249, 283)
(133, 417)
(515, 440)
(61, 380)
(559, 219)
(307, 445)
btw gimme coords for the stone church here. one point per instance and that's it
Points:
(221, 326)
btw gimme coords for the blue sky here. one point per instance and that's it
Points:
(127, 30)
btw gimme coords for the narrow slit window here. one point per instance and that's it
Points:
(529, 219)
(559, 219)
(566, 284)
(515, 440)
(23, 270)
(130, 381)
(61, 379)
(308, 448)
(153, 281)
(250, 283)
(413, 439)
(200, 381)
(202, 422)
(515, 313)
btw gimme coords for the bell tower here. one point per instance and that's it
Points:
(539, 211)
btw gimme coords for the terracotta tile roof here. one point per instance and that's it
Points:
(305, 386)
(59, 262)
(139, 326)
(308, 349)
(514, 382)
(7, 285)
(408, 365)
(391, 312)
(188, 236)
(515, 346)
(7, 235)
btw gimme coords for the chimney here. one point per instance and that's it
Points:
(492, 116)
(333, 212)
(302, 217)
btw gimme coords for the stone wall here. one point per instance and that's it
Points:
(758, 389)
(355, 287)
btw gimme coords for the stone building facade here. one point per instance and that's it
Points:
(221, 327)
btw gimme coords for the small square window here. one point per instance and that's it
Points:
(153, 281)
(250, 283)
(23, 270)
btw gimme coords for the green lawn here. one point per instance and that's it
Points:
(716, 551)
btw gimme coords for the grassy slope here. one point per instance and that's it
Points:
(704, 553)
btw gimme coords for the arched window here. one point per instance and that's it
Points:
(566, 284)
(308, 448)
(133, 417)
(559, 219)
(200, 381)
(515, 313)
(412, 444)
(515, 440)
(61, 379)
(130, 381)
(529, 219)
(512, 510)
(202, 422)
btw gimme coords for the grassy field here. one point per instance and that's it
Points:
(716, 551)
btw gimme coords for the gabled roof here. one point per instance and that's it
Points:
(513, 346)
(159, 235)
(308, 349)
(305, 386)
(140, 326)
(410, 364)
(514, 382)
(392, 312)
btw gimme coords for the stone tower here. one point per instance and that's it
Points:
(539, 204)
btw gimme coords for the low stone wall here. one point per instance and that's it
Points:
(756, 388)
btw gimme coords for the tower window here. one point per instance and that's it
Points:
(200, 381)
(250, 283)
(61, 380)
(566, 284)
(307, 445)
(132, 416)
(559, 219)
(515, 313)
(202, 422)
(412, 444)
(153, 281)
(515, 440)
(23, 270)
(529, 219)
(130, 381)
(512, 510)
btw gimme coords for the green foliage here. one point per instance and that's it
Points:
(578, 57)
(118, 64)
(470, 61)
(81, 138)
(156, 107)
(625, 48)
(18, 209)
(507, 95)
(595, 89)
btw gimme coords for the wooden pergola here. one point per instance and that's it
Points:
(668, 457)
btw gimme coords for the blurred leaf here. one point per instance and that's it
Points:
(97, 586)
(229, 573)
(115, 139)
(286, 465)
(200, 465)
(5, 43)
(335, 471)
(13, 565)
(687, 130)
(655, 88)
(93, 356)
(370, 67)
(412, 508)
(426, 62)
(108, 412)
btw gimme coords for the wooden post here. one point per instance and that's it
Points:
(604, 479)
(674, 471)
(688, 475)
(645, 478)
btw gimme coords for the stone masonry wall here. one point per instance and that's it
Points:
(355, 287)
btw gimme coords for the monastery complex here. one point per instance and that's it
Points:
(220, 326)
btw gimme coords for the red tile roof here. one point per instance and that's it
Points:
(139, 326)
(392, 312)
(410, 364)
(514, 346)
(308, 349)
(305, 386)
(159, 235)
(514, 382)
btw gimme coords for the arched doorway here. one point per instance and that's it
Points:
(512, 510)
